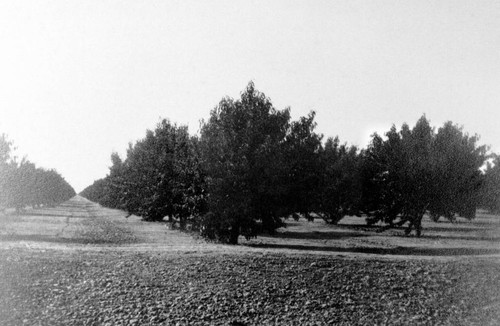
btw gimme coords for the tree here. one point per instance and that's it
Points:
(96, 192)
(302, 161)
(161, 176)
(416, 171)
(5, 168)
(490, 192)
(339, 191)
(23, 184)
(457, 176)
(113, 186)
(241, 146)
(383, 165)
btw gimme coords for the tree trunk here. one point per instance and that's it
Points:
(408, 229)
(235, 233)
(418, 225)
(182, 222)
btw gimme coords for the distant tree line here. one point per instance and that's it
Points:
(22, 184)
(252, 167)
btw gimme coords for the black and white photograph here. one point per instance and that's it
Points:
(249, 163)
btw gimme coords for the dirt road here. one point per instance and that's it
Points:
(82, 225)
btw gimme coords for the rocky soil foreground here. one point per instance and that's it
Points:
(125, 288)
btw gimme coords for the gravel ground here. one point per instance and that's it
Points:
(122, 288)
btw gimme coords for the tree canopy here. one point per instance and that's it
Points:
(252, 167)
(490, 194)
(23, 184)
(242, 158)
(417, 171)
(160, 177)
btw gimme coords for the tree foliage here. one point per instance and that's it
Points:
(490, 193)
(417, 171)
(302, 153)
(340, 188)
(261, 168)
(252, 167)
(23, 184)
(160, 177)
(241, 146)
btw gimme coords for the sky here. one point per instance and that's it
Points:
(81, 79)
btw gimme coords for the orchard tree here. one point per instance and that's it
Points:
(23, 184)
(339, 192)
(5, 168)
(97, 192)
(113, 188)
(148, 173)
(457, 161)
(383, 165)
(490, 192)
(5, 150)
(303, 149)
(416, 171)
(161, 176)
(242, 152)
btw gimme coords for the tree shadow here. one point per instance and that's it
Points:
(404, 251)
(293, 223)
(451, 228)
(380, 229)
(487, 223)
(318, 235)
(368, 228)
(461, 237)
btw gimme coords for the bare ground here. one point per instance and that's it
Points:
(82, 264)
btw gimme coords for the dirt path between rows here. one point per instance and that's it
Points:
(82, 225)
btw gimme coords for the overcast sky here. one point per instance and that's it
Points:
(80, 79)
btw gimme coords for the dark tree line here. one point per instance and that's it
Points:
(22, 184)
(252, 167)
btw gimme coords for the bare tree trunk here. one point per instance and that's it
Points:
(418, 226)
(235, 233)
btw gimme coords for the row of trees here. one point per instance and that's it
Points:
(252, 166)
(160, 177)
(23, 184)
